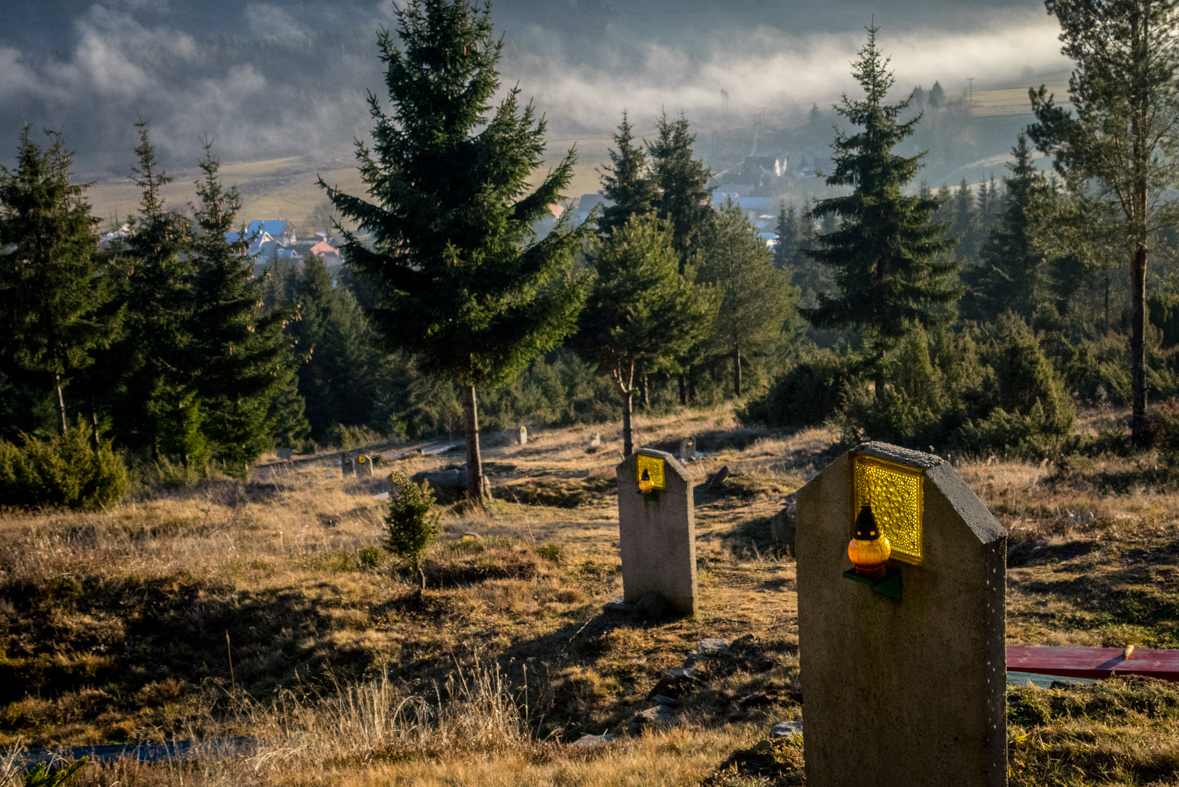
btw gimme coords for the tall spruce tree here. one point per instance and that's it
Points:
(1013, 275)
(681, 181)
(162, 408)
(52, 289)
(884, 252)
(641, 309)
(465, 285)
(626, 180)
(787, 231)
(1123, 135)
(244, 357)
(965, 228)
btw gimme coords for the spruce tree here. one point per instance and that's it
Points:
(626, 181)
(162, 408)
(243, 355)
(681, 180)
(52, 289)
(1013, 275)
(966, 223)
(884, 251)
(641, 309)
(465, 285)
(755, 296)
(787, 231)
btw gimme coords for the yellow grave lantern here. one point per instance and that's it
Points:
(886, 510)
(651, 475)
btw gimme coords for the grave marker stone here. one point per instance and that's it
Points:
(284, 454)
(363, 467)
(523, 435)
(657, 530)
(345, 463)
(904, 675)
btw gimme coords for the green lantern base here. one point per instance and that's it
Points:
(887, 585)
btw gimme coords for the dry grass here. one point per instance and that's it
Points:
(266, 609)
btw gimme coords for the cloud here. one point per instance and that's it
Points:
(289, 78)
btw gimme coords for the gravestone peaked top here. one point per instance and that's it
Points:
(904, 675)
(657, 530)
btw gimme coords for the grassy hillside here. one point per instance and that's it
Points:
(267, 609)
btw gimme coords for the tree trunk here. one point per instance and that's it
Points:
(61, 414)
(474, 461)
(422, 577)
(645, 393)
(628, 447)
(1138, 345)
(692, 384)
(94, 430)
(737, 371)
(878, 376)
(683, 389)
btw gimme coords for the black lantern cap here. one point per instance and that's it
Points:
(866, 528)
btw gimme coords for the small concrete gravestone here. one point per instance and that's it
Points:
(657, 530)
(523, 435)
(903, 661)
(595, 443)
(345, 463)
(284, 454)
(363, 467)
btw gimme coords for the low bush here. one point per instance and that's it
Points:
(807, 394)
(62, 471)
(412, 524)
(348, 437)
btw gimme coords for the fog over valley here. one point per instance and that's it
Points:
(288, 79)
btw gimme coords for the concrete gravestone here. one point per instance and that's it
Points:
(345, 463)
(523, 435)
(904, 674)
(657, 530)
(363, 467)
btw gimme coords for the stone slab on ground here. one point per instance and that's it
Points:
(786, 729)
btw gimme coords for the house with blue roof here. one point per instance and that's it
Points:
(279, 230)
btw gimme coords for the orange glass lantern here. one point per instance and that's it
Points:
(869, 548)
(646, 485)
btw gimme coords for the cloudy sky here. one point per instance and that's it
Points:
(270, 79)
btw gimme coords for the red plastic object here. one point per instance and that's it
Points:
(1093, 662)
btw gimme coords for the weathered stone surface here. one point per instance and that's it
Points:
(786, 729)
(618, 605)
(718, 479)
(657, 716)
(362, 466)
(523, 435)
(658, 536)
(586, 741)
(284, 454)
(914, 687)
(345, 464)
(663, 699)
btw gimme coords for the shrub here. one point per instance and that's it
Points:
(412, 524)
(62, 471)
(347, 437)
(807, 394)
(1164, 426)
(41, 776)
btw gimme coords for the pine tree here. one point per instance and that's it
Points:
(465, 286)
(787, 231)
(52, 290)
(1126, 100)
(1013, 275)
(755, 296)
(642, 309)
(156, 358)
(937, 96)
(681, 180)
(244, 359)
(626, 181)
(884, 251)
(965, 226)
